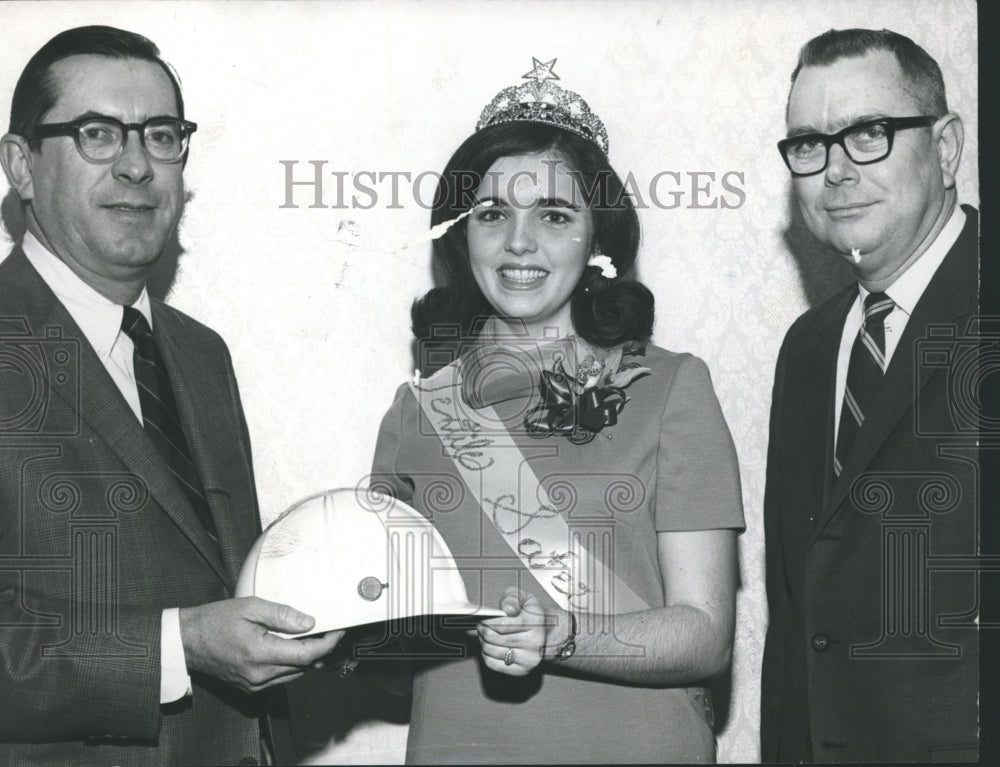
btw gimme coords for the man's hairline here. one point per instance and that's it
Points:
(51, 74)
(907, 81)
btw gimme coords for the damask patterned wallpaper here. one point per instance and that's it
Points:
(310, 283)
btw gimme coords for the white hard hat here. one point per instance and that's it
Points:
(355, 556)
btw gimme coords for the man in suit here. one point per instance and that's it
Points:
(871, 502)
(127, 499)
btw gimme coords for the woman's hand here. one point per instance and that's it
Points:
(514, 644)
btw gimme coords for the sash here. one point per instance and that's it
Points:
(500, 478)
(512, 499)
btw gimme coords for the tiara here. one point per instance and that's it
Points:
(542, 101)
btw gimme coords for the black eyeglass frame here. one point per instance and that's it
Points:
(891, 124)
(72, 128)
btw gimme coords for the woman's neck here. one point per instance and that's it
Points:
(543, 331)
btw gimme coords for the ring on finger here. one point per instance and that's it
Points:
(508, 658)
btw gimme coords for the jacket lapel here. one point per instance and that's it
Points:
(101, 406)
(205, 411)
(822, 409)
(950, 296)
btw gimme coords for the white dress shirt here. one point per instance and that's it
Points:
(905, 292)
(101, 321)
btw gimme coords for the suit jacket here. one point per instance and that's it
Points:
(96, 539)
(872, 653)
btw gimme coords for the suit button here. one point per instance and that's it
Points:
(819, 642)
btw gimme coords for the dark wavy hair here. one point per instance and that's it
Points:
(35, 93)
(604, 311)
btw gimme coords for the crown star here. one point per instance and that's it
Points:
(541, 71)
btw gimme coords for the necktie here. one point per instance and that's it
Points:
(160, 416)
(864, 374)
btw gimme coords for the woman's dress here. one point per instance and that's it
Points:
(668, 464)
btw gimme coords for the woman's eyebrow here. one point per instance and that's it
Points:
(489, 201)
(557, 202)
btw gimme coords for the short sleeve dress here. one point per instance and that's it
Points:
(668, 464)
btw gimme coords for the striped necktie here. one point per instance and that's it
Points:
(864, 374)
(160, 416)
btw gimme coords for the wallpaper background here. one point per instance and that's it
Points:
(314, 301)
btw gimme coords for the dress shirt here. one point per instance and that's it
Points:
(905, 293)
(101, 320)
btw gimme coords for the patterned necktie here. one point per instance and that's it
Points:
(864, 374)
(160, 416)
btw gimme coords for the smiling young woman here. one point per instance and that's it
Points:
(603, 523)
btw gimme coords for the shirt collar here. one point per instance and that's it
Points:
(911, 284)
(98, 318)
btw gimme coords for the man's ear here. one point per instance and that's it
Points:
(949, 136)
(15, 156)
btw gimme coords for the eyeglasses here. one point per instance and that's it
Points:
(864, 143)
(102, 139)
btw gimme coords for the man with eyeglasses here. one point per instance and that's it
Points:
(127, 500)
(871, 501)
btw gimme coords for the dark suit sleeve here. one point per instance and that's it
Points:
(777, 595)
(94, 685)
(64, 675)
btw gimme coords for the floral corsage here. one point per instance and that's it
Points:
(579, 407)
